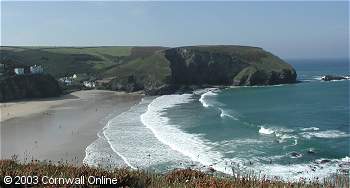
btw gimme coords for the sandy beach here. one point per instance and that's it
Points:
(58, 129)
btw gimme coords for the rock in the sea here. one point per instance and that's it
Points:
(332, 77)
(311, 151)
(295, 154)
(323, 161)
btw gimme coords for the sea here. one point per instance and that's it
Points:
(288, 132)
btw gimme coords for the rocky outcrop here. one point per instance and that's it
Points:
(28, 86)
(253, 76)
(332, 77)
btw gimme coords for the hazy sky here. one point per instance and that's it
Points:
(288, 29)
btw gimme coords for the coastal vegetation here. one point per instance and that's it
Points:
(141, 178)
(28, 86)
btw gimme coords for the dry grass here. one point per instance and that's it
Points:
(139, 178)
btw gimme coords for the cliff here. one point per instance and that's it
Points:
(227, 65)
(198, 66)
(28, 86)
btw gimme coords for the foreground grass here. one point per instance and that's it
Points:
(139, 178)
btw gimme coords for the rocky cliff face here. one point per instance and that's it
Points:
(182, 68)
(28, 86)
(227, 65)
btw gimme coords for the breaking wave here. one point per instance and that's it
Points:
(310, 129)
(204, 96)
(224, 114)
(264, 130)
(190, 145)
(325, 134)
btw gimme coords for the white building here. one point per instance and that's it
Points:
(19, 71)
(36, 69)
(66, 80)
(89, 84)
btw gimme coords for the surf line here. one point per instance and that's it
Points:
(108, 141)
(115, 151)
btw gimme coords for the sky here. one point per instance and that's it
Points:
(287, 29)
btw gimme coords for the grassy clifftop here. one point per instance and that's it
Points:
(65, 61)
(158, 70)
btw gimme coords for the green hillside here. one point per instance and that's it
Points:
(65, 61)
(157, 70)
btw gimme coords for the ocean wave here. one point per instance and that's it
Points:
(125, 138)
(282, 135)
(100, 154)
(224, 114)
(309, 171)
(310, 129)
(278, 131)
(325, 134)
(306, 80)
(241, 141)
(264, 130)
(190, 145)
(258, 86)
(317, 77)
(203, 100)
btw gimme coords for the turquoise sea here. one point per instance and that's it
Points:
(289, 131)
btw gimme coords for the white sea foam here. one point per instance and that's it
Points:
(307, 80)
(309, 171)
(346, 159)
(264, 130)
(190, 145)
(203, 98)
(317, 77)
(282, 134)
(310, 129)
(258, 86)
(127, 139)
(241, 141)
(137, 144)
(285, 137)
(224, 114)
(325, 134)
(100, 154)
(295, 172)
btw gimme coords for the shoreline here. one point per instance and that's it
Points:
(59, 129)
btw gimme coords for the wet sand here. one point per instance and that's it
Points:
(58, 129)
